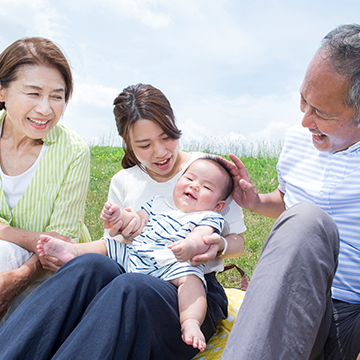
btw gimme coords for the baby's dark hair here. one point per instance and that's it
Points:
(229, 184)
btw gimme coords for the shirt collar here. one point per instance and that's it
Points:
(350, 149)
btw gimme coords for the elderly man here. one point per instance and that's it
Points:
(304, 298)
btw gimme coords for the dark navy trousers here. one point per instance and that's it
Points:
(92, 309)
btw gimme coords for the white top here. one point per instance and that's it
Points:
(329, 180)
(15, 186)
(133, 187)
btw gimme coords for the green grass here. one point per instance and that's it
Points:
(106, 161)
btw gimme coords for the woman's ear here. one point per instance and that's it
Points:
(220, 206)
(2, 94)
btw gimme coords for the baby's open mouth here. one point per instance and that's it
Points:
(191, 196)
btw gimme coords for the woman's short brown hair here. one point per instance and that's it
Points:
(33, 51)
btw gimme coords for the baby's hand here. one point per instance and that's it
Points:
(182, 250)
(110, 214)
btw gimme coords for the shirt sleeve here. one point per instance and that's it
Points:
(215, 220)
(69, 208)
(234, 218)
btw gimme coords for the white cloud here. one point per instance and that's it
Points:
(192, 131)
(231, 69)
(275, 131)
(252, 117)
(95, 95)
(36, 18)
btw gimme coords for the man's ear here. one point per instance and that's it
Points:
(220, 206)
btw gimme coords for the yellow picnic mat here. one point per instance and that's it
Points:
(216, 344)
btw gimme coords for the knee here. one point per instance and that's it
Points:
(305, 227)
(92, 266)
(144, 289)
(309, 213)
(310, 218)
(12, 256)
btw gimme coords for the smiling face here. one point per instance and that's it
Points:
(155, 150)
(34, 101)
(328, 118)
(200, 188)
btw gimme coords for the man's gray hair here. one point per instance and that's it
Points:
(341, 48)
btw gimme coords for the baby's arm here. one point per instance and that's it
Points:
(110, 215)
(117, 220)
(193, 244)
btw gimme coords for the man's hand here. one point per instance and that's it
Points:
(244, 192)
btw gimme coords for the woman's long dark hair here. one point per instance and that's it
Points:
(142, 102)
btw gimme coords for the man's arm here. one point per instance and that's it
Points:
(245, 192)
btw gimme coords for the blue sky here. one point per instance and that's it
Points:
(230, 68)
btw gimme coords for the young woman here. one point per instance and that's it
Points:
(107, 313)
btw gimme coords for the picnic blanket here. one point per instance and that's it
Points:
(215, 346)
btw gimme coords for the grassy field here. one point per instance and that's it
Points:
(106, 161)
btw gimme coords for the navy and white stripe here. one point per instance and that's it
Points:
(149, 252)
(332, 182)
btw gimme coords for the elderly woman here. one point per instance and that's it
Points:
(44, 167)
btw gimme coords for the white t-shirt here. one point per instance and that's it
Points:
(15, 186)
(133, 187)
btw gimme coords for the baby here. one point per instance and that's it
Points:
(173, 234)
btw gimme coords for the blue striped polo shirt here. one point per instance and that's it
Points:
(331, 181)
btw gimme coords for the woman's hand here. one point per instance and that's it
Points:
(244, 193)
(130, 231)
(214, 241)
(13, 282)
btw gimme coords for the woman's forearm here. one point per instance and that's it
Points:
(13, 282)
(25, 239)
(235, 246)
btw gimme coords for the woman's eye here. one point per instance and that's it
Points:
(144, 146)
(57, 97)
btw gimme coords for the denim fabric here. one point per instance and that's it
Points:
(91, 309)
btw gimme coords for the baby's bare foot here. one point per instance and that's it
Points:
(50, 246)
(192, 335)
